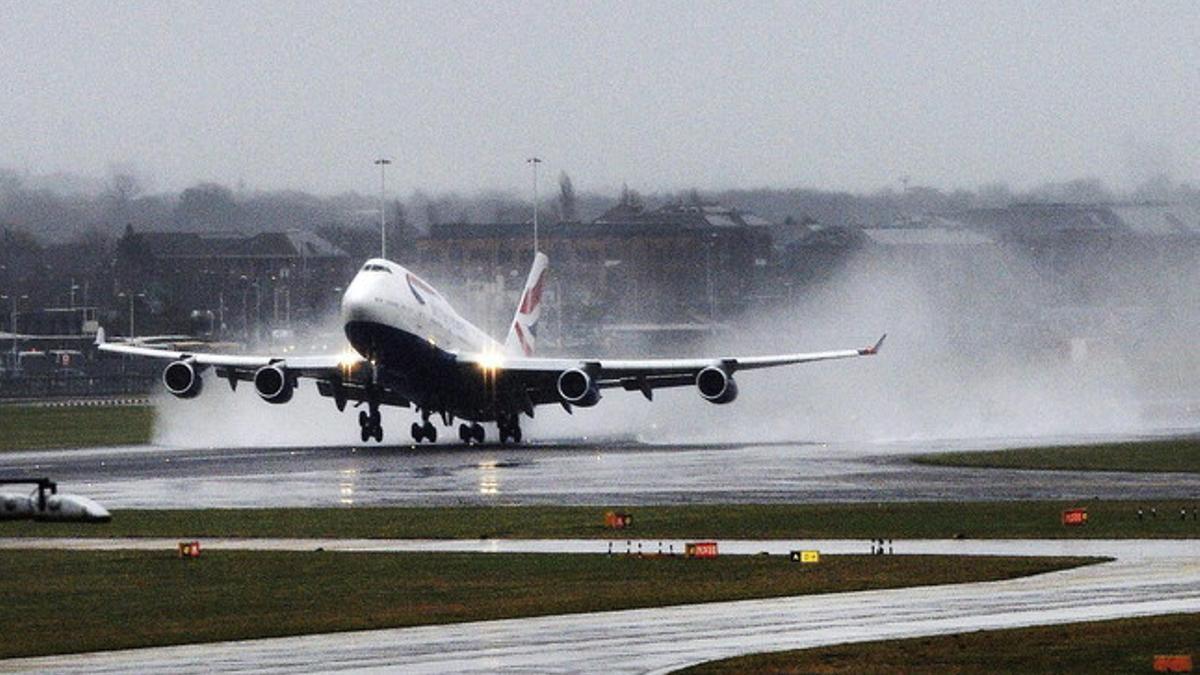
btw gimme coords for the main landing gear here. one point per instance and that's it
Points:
(470, 433)
(370, 425)
(510, 429)
(424, 431)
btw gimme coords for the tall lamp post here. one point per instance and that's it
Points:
(12, 323)
(535, 161)
(131, 297)
(382, 163)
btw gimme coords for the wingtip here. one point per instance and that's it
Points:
(873, 349)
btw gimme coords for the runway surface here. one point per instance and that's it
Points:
(1148, 577)
(590, 474)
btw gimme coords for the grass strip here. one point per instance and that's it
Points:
(40, 428)
(1120, 646)
(71, 601)
(1177, 455)
(901, 520)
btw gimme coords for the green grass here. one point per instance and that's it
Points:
(1175, 455)
(905, 520)
(38, 428)
(1121, 646)
(70, 601)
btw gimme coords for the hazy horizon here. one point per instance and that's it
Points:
(665, 97)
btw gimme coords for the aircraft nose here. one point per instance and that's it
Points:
(359, 300)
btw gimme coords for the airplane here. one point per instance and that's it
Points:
(410, 348)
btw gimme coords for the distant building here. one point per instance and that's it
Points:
(230, 285)
(680, 268)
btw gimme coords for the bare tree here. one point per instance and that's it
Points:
(567, 201)
(630, 198)
(122, 189)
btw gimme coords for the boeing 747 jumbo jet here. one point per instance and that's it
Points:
(411, 349)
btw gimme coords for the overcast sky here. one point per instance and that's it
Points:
(660, 95)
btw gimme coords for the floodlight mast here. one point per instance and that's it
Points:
(535, 161)
(382, 162)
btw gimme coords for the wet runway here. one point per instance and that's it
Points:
(589, 474)
(1149, 577)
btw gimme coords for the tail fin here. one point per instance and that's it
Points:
(522, 334)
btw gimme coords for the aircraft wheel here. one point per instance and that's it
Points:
(379, 433)
(417, 432)
(363, 419)
(477, 432)
(364, 433)
(464, 433)
(430, 432)
(516, 435)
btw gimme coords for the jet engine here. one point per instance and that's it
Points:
(578, 388)
(273, 384)
(182, 379)
(716, 385)
(55, 508)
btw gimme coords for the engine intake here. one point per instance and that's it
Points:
(578, 388)
(716, 385)
(182, 379)
(273, 384)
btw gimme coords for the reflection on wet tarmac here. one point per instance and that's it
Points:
(618, 473)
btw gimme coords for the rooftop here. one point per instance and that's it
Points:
(294, 244)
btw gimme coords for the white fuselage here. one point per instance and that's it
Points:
(389, 296)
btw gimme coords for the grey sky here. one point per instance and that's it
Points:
(662, 95)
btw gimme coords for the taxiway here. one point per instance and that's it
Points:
(1147, 578)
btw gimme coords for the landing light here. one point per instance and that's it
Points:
(348, 359)
(491, 360)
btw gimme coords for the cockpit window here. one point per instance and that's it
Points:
(372, 267)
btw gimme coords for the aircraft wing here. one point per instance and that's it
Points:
(304, 366)
(538, 378)
(339, 376)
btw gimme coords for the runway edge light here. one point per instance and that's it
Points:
(1074, 517)
(1173, 663)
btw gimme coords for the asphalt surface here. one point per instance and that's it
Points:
(1148, 578)
(584, 473)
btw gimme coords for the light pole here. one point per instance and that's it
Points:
(12, 322)
(712, 301)
(131, 297)
(535, 161)
(382, 162)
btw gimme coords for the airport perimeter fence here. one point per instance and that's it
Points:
(76, 386)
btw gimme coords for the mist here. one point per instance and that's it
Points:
(981, 345)
(972, 353)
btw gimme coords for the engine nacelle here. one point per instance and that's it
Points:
(73, 508)
(273, 384)
(578, 388)
(182, 379)
(16, 507)
(716, 385)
